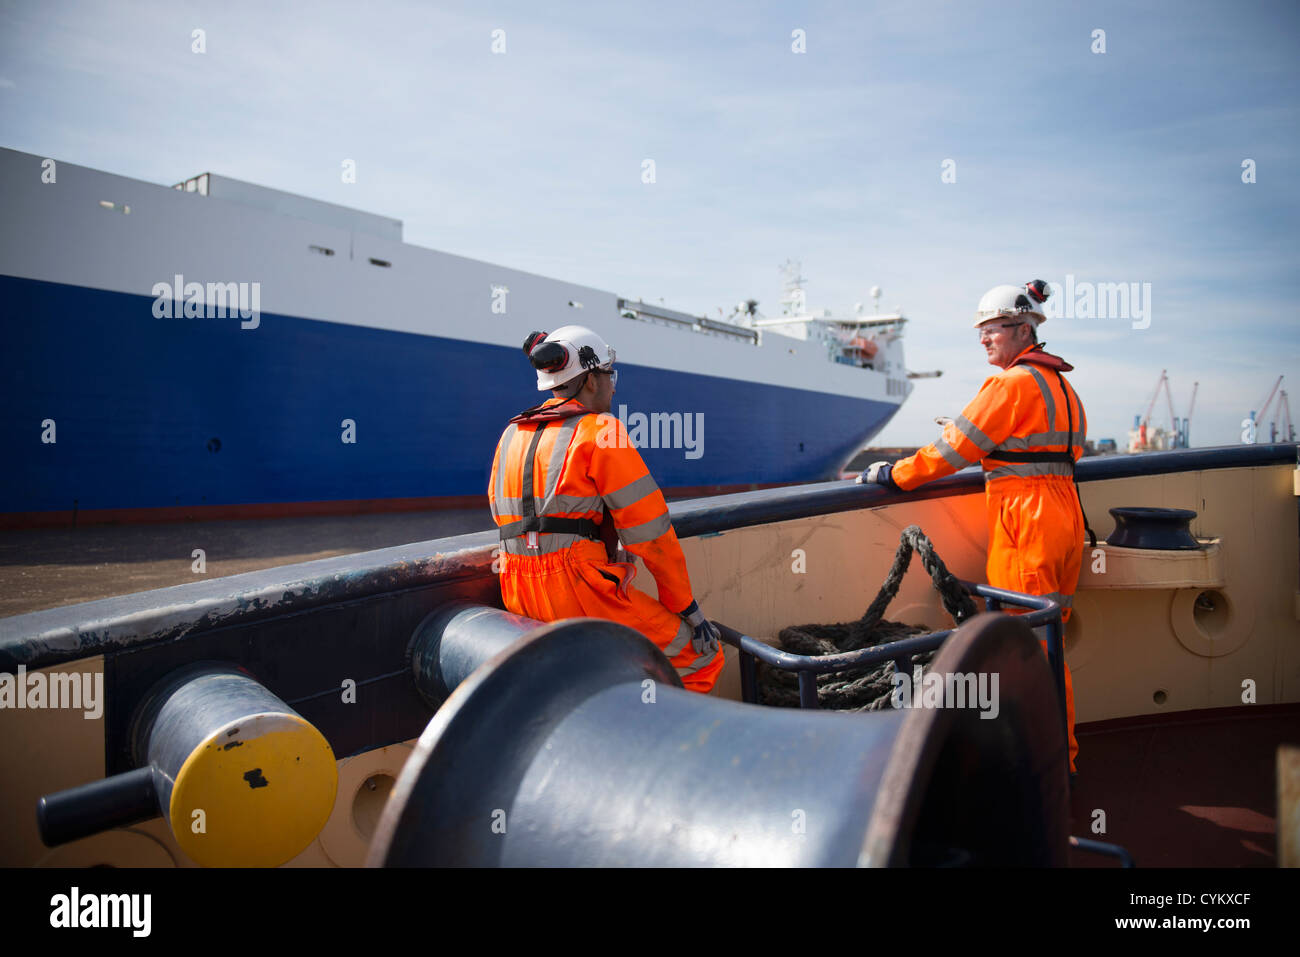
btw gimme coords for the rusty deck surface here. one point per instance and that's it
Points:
(47, 568)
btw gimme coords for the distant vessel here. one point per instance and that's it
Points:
(220, 349)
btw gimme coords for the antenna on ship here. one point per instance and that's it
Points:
(793, 296)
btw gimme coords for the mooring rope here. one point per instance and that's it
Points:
(864, 689)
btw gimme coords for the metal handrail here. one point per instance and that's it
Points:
(1045, 611)
(1106, 849)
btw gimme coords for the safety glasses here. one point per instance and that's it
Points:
(989, 328)
(612, 373)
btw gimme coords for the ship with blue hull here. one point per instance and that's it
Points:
(219, 349)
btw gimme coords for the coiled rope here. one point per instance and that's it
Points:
(864, 689)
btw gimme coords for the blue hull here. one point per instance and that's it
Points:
(156, 413)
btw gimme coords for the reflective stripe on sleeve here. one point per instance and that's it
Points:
(646, 531)
(632, 492)
(950, 455)
(967, 428)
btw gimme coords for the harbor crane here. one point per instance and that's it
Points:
(1281, 417)
(1283, 408)
(1288, 429)
(1143, 439)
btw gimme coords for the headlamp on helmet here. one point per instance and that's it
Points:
(565, 354)
(1014, 301)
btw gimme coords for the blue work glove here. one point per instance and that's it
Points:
(877, 473)
(706, 637)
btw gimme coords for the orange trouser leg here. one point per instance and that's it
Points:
(575, 584)
(1035, 547)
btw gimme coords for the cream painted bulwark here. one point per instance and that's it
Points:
(1123, 647)
(345, 839)
(50, 749)
(1114, 567)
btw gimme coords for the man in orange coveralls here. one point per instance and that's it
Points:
(1027, 427)
(566, 486)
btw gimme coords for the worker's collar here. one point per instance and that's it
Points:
(1035, 354)
(552, 409)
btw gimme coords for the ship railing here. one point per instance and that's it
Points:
(687, 321)
(1043, 612)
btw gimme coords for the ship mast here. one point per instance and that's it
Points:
(794, 301)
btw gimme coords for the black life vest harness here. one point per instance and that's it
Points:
(532, 524)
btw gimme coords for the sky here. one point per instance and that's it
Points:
(932, 149)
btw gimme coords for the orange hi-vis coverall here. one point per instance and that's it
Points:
(1020, 417)
(583, 472)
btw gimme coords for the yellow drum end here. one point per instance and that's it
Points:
(255, 793)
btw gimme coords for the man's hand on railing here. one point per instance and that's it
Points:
(877, 473)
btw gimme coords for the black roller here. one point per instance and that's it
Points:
(577, 745)
(454, 640)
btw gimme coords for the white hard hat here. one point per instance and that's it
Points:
(565, 354)
(1013, 301)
